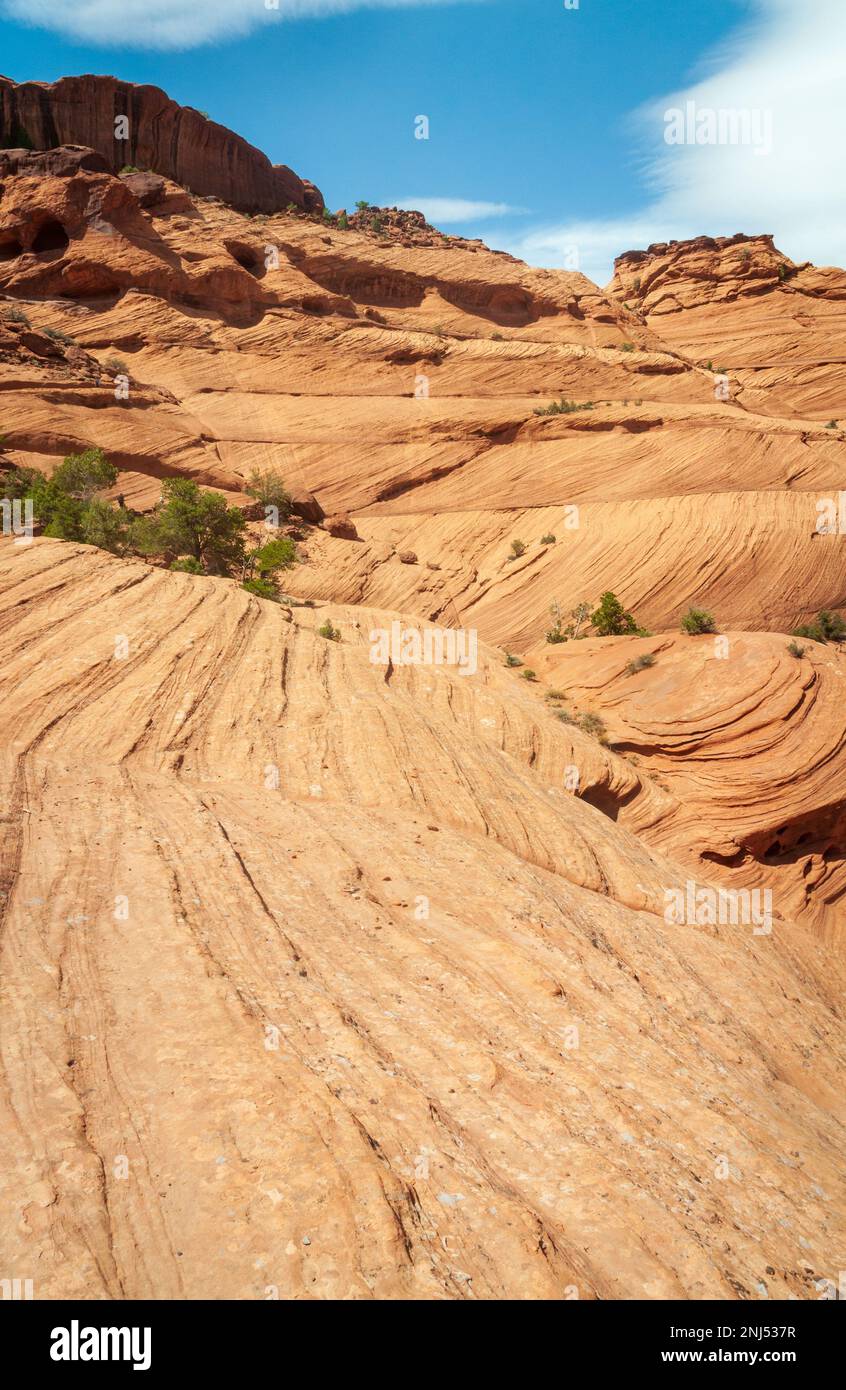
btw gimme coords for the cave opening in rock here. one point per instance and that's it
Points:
(51, 237)
(10, 250)
(247, 257)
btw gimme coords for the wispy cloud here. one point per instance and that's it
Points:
(179, 24)
(788, 62)
(443, 211)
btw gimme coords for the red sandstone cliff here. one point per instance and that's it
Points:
(162, 136)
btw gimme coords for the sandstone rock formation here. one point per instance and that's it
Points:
(749, 742)
(777, 328)
(345, 978)
(159, 135)
(321, 983)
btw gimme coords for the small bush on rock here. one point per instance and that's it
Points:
(696, 621)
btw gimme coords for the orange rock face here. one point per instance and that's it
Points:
(777, 329)
(333, 972)
(749, 742)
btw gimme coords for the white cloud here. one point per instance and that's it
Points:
(789, 62)
(177, 24)
(440, 211)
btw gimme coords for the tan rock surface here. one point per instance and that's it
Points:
(779, 329)
(399, 384)
(372, 1004)
(233, 985)
(747, 739)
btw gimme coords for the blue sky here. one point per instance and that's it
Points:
(548, 121)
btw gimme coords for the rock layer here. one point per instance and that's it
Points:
(158, 135)
(330, 977)
(749, 742)
(318, 983)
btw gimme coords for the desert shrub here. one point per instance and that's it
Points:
(529, 675)
(191, 522)
(640, 663)
(278, 554)
(829, 627)
(262, 588)
(59, 336)
(512, 660)
(19, 483)
(548, 539)
(343, 222)
(63, 503)
(593, 725)
(832, 425)
(518, 548)
(555, 695)
(610, 619)
(18, 316)
(563, 407)
(696, 621)
(796, 650)
(105, 526)
(59, 515)
(580, 615)
(557, 633)
(832, 625)
(262, 566)
(565, 716)
(83, 475)
(332, 634)
(144, 538)
(268, 487)
(628, 347)
(116, 366)
(187, 565)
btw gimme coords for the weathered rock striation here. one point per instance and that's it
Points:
(327, 976)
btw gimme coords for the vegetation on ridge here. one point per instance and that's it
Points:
(191, 530)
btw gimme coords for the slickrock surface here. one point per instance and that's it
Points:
(777, 328)
(748, 741)
(296, 953)
(399, 384)
(322, 977)
(160, 136)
